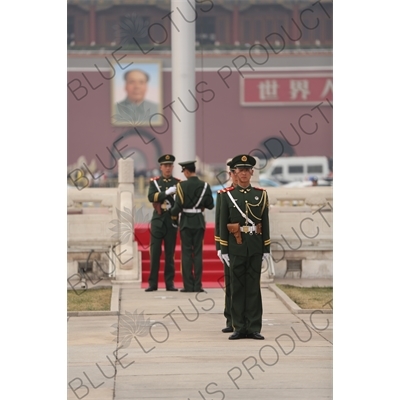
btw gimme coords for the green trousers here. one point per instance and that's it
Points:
(228, 296)
(192, 258)
(246, 307)
(162, 232)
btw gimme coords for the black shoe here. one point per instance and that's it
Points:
(200, 290)
(237, 335)
(172, 289)
(186, 291)
(227, 329)
(150, 289)
(255, 335)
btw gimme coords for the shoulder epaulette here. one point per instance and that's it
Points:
(229, 188)
(258, 188)
(154, 178)
(179, 180)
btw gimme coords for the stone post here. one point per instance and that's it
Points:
(127, 254)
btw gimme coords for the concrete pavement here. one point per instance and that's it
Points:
(169, 345)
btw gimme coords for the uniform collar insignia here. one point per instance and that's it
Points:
(246, 190)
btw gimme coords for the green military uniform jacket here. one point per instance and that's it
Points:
(187, 195)
(254, 203)
(161, 201)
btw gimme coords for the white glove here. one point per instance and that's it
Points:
(270, 261)
(171, 190)
(220, 256)
(225, 257)
(266, 256)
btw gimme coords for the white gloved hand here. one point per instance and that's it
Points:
(220, 256)
(171, 190)
(225, 257)
(266, 256)
(270, 261)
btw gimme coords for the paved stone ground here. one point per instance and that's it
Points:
(173, 348)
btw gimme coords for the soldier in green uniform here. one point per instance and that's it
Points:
(245, 242)
(227, 275)
(192, 197)
(161, 194)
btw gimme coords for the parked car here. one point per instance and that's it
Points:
(290, 169)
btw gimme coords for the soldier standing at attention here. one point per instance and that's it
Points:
(245, 242)
(161, 191)
(227, 275)
(192, 197)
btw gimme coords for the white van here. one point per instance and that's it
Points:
(291, 169)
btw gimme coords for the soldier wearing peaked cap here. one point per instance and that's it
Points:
(192, 197)
(161, 194)
(227, 275)
(245, 242)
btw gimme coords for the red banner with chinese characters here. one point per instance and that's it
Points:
(286, 89)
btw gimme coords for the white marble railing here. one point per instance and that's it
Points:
(100, 221)
(301, 226)
(311, 197)
(90, 212)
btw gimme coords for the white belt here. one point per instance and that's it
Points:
(247, 229)
(192, 210)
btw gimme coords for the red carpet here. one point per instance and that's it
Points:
(213, 271)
